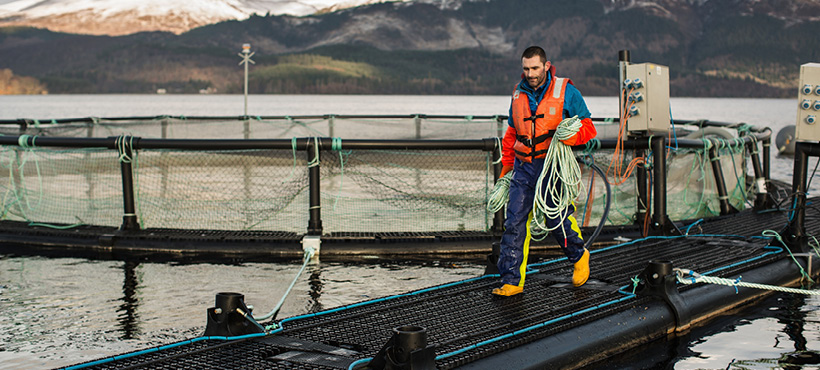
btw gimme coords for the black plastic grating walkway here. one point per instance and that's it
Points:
(460, 315)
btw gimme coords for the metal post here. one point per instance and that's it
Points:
(315, 222)
(246, 55)
(796, 232)
(661, 224)
(163, 170)
(246, 89)
(641, 186)
(658, 180)
(623, 61)
(331, 121)
(418, 127)
(767, 153)
(761, 198)
(717, 170)
(129, 217)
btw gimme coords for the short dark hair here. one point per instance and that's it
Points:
(533, 51)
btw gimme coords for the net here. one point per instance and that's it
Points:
(361, 190)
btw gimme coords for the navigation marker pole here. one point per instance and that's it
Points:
(246, 55)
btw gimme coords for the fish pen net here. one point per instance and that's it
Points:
(406, 190)
(361, 190)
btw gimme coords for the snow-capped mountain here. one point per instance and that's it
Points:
(120, 17)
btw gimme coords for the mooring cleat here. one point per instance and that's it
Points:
(581, 271)
(508, 290)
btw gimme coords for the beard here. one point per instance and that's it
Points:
(537, 81)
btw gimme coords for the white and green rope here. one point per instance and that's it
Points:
(563, 181)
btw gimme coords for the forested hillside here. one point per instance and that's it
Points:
(711, 47)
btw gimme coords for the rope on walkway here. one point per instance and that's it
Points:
(690, 277)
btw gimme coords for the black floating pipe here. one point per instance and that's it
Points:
(796, 236)
(720, 182)
(129, 216)
(301, 143)
(639, 322)
(314, 180)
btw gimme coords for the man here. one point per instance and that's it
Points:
(539, 103)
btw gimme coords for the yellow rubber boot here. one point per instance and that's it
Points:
(508, 290)
(581, 271)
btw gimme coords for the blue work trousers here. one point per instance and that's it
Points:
(516, 239)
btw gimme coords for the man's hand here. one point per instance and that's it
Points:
(504, 170)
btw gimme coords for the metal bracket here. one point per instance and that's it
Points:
(658, 280)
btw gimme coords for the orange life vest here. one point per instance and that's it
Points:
(535, 131)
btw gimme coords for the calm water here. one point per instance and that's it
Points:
(60, 311)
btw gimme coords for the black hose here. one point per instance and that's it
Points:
(606, 206)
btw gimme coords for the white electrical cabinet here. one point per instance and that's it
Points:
(808, 100)
(647, 88)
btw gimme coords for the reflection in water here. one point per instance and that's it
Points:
(127, 316)
(793, 319)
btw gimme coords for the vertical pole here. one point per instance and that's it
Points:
(129, 217)
(760, 181)
(767, 153)
(246, 55)
(641, 186)
(418, 127)
(163, 168)
(500, 125)
(89, 177)
(623, 61)
(796, 231)
(661, 224)
(720, 182)
(315, 221)
(331, 121)
(246, 89)
(658, 180)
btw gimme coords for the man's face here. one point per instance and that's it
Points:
(535, 71)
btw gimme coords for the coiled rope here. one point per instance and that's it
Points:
(500, 194)
(563, 181)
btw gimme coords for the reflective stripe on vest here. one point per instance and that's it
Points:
(535, 130)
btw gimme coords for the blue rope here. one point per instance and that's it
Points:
(358, 362)
(692, 224)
